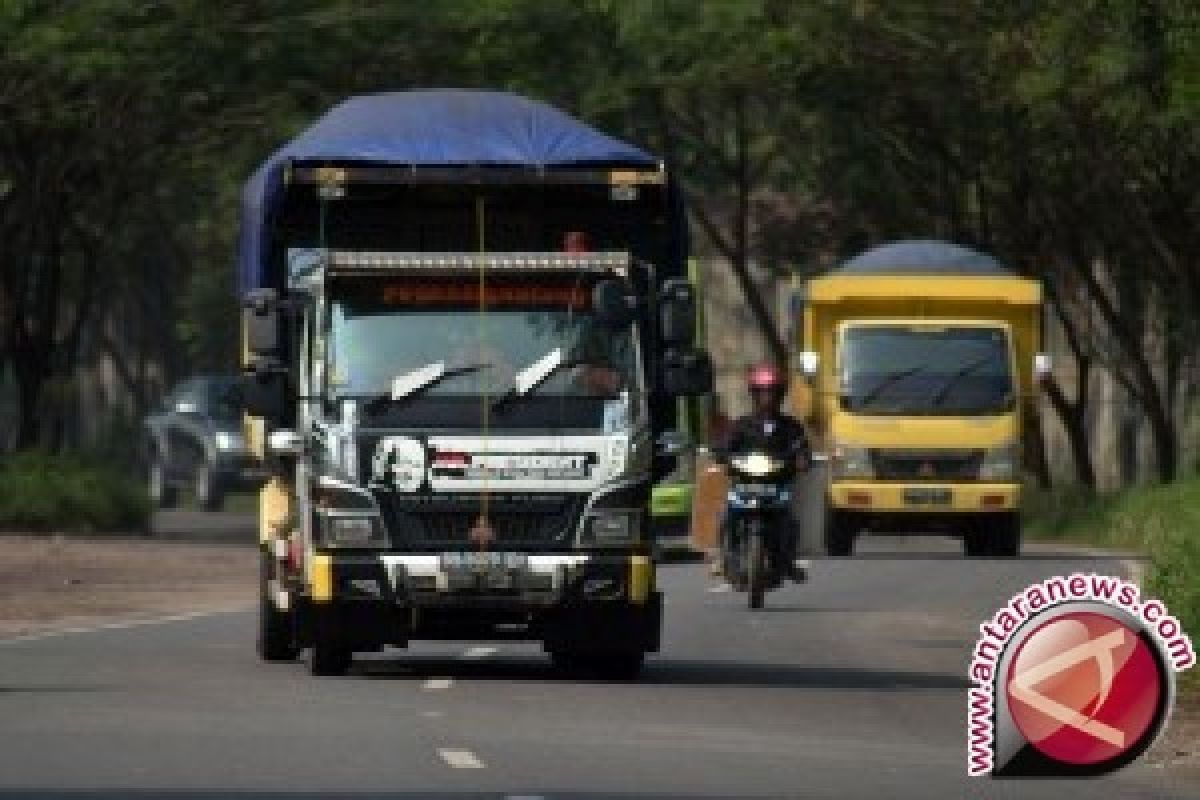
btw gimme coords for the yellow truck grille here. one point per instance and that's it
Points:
(932, 465)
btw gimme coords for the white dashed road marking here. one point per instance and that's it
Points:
(460, 759)
(722, 587)
(479, 652)
(116, 626)
(435, 684)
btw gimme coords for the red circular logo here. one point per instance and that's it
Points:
(1084, 688)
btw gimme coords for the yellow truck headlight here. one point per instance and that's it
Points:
(1000, 463)
(850, 461)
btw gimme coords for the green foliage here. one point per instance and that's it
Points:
(1160, 521)
(44, 492)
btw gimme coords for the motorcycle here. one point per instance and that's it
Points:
(758, 503)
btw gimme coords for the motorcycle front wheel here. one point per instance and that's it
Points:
(755, 565)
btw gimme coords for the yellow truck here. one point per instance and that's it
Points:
(920, 363)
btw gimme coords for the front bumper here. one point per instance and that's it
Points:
(389, 598)
(924, 497)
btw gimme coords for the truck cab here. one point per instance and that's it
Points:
(921, 382)
(460, 379)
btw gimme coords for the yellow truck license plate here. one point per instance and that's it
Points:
(928, 497)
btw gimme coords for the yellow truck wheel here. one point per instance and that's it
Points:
(840, 533)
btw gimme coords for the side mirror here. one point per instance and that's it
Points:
(262, 319)
(672, 443)
(264, 393)
(686, 373)
(613, 304)
(677, 313)
(810, 363)
(285, 442)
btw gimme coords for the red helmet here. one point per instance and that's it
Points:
(765, 376)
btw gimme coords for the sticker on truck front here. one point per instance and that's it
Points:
(512, 466)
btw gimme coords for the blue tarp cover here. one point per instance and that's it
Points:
(435, 127)
(923, 256)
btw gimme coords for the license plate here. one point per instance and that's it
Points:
(474, 561)
(927, 497)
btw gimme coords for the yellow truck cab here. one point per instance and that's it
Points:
(919, 363)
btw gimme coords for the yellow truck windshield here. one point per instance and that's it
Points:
(925, 370)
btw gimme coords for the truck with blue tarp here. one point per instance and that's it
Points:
(466, 325)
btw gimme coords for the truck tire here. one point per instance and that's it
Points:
(161, 493)
(621, 666)
(276, 635)
(210, 495)
(977, 540)
(1005, 539)
(840, 534)
(327, 658)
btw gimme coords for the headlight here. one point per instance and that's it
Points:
(999, 463)
(228, 440)
(352, 531)
(331, 494)
(849, 461)
(756, 464)
(613, 528)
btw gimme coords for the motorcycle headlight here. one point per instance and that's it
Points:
(756, 464)
(999, 463)
(850, 461)
(228, 440)
(613, 528)
(352, 531)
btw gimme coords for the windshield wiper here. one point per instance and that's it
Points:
(887, 381)
(422, 379)
(536, 374)
(954, 378)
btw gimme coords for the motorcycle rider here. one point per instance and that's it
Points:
(766, 428)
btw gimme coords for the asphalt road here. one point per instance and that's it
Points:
(850, 686)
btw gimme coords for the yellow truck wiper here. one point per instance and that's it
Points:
(887, 381)
(954, 378)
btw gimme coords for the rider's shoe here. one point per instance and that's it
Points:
(799, 572)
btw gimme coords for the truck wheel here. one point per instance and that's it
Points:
(162, 494)
(621, 666)
(209, 494)
(1006, 535)
(276, 638)
(328, 658)
(977, 540)
(840, 534)
(613, 666)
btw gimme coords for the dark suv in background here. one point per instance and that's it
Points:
(195, 442)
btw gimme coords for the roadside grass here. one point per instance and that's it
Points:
(44, 492)
(1160, 522)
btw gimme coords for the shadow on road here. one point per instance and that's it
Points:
(668, 672)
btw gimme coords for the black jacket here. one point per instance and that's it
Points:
(777, 434)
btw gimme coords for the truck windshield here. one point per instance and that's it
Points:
(369, 344)
(925, 370)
